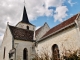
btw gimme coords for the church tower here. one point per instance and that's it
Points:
(25, 24)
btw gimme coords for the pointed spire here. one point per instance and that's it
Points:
(25, 17)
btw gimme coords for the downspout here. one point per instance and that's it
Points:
(13, 47)
(15, 53)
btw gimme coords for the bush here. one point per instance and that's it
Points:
(73, 56)
(45, 56)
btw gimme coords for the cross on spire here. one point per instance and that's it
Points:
(24, 3)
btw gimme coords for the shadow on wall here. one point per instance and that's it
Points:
(0, 42)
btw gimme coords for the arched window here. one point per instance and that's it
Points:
(55, 52)
(25, 54)
(28, 27)
(4, 53)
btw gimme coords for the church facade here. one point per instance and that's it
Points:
(22, 42)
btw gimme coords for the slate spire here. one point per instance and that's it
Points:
(25, 17)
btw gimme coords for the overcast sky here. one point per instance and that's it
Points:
(39, 11)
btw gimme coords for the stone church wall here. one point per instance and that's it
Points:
(78, 22)
(66, 40)
(24, 26)
(20, 45)
(44, 29)
(7, 44)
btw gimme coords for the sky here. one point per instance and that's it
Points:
(39, 11)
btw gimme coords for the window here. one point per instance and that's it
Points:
(28, 27)
(10, 55)
(55, 52)
(25, 54)
(11, 59)
(33, 48)
(4, 53)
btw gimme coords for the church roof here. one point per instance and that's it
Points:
(60, 26)
(25, 17)
(21, 34)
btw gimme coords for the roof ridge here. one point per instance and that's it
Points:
(19, 28)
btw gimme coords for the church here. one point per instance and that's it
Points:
(22, 42)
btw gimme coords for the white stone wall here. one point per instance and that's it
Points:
(43, 30)
(24, 26)
(7, 43)
(66, 40)
(78, 21)
(0, 53)
(20, 45)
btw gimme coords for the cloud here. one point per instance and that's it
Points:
(11, 10)
(37, 8)
(54, 3)
(71, 3)
(60, 13)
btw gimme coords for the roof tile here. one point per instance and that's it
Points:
(21, 34)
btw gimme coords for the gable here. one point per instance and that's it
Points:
(7, 36)
(41, 31)
(37, 31)
(78, 21)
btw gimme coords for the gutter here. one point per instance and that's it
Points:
(15, 53)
